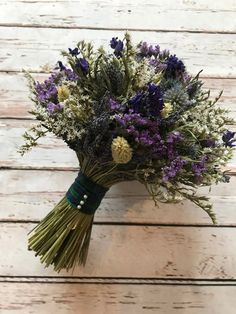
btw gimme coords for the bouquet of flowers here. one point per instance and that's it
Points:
(130, 113)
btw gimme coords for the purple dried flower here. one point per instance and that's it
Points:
(143, 49)
(83, 64)
(171, 171)
(173, 138)
(155, 100)
(51, 107)
(228, 138)
(74, 52)
(146, 50)
(71, 75)
(175, 67)
(114, 105)
(135, 101)
(199, 167)
(61, 66)
(46, 90)
(117, 45)
(153, 51)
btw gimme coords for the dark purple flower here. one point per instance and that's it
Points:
(83, 65)
(117, 45)
(74, 52)
(155, 100)
(175, 67)
(113, 42)
(228, 138)
(135, 101)
(61, 66)
(152, 88)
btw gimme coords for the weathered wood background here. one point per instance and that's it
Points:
(142, 259)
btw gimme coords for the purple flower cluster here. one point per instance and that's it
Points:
(47, 90)
(157, 64)
(146, 50)
(51, 107)
(114, 105)
(174, 67)
(175, 166)
(83, 65)
(199, 168)
(148, 103)
(117, 45)
(173, 138)
(144, 132)
(70, 75)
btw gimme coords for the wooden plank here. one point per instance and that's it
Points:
(14, 101)
(43, 156)
(185, 15)
(30, 195)
(132, 251)
(36, 298)
(33, 48)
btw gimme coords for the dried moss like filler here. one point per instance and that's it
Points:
(62, 238)
(85, 195)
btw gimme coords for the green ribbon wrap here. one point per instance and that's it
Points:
(85, 194)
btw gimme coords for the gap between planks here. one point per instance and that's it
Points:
(119, 29)
(119, 281)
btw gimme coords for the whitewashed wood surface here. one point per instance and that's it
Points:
(142, 259)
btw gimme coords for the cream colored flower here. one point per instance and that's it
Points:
(121, 150)
(63, 93)
(167, 109)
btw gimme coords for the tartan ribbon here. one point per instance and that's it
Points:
(85, 194)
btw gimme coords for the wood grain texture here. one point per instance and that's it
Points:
(33, 48)
(14, 100)
(32, 194)
(43, 156)
(169, 15)
(132, 251)
(36, 298)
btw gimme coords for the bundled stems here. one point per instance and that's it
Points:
(62, 238)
